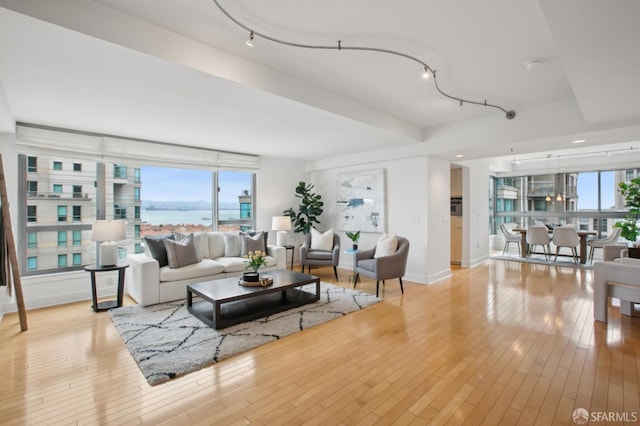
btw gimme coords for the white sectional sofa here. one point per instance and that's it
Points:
(148, 283)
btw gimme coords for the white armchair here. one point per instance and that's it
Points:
(619, 279)
(601, 242)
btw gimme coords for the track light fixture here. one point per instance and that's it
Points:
(428, 71)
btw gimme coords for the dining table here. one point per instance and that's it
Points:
(582, 252)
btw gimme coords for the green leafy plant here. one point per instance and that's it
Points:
(308, 211)
(631, 193)
(353, 236)
(255, 260)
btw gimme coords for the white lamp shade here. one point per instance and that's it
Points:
(108, 231)
(282, 224)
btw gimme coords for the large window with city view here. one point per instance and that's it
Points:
(589, 200)
(64, 196)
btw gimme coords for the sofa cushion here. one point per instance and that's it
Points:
(232, 245)
(181, 253)
(321, 241)
(319, 255)
(239, 264)
(202, 243)
(204, 268)
(216, 244)
(251, 243)
(156, 247)
(386, 246)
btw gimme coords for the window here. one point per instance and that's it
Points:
(77, 237)
(138, 248)
(32, 263)
(136, 232)
(32, 164)
(32, 213)
(62, 261)
(77, 191)
(77, 167)
(77, 213)
(57, 165)
(235, 202)
(32, 240)
(32, 188)
(136, 211)
(77, 259)
(136, 194)
(57, 188)
(62, 213)
(136, 175)
(62, 238)
(119, 171)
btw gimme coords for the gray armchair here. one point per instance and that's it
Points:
(309, 257)
(383, 268)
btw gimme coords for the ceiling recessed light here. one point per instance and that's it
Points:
(579, 141)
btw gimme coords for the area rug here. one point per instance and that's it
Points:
(167, 341)
(541, 261)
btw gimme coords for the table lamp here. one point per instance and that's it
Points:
(108, 232)
(282, 224)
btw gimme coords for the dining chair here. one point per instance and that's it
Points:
(538, 235)
(510, 237)
(566, 236)
(601, 242)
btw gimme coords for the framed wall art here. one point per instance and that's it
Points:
(361, 201)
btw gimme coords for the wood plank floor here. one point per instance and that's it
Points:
(501, 343)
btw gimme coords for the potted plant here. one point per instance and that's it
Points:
(631, 193)
(254, 260)
(354, 237)
(308, 211)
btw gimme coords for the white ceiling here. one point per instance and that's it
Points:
(179, 71)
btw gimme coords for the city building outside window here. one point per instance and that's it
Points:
(57, 189)
(32, 240)
(77, 259)
(57, 165)
(62, 213)
(77, 237)
(32, 188)
(77, 213)
(77, 167)
(32, 263)
(62, 238)
(32, 164)
(62, 261)
(32, 213)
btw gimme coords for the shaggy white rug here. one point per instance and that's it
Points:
(167, 341)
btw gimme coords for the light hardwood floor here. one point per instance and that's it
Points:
(501, 343)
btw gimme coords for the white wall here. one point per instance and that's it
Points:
(417, 203)
(475, 235)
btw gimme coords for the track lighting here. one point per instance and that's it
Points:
(428, 71)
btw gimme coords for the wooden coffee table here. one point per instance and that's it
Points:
(226, 303)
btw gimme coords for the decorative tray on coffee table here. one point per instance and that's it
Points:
(264, 281)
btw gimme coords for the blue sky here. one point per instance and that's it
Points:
(588, 190)
(169, 184)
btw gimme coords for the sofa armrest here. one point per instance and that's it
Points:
(279, 254)
(143, 279)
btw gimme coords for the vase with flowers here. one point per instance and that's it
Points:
(255, 260)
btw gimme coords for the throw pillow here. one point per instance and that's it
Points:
(157, 249)
(251, 243)
(387, 245)
(322, 241)
(181, 253)
(232, 245)
(201, 241)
